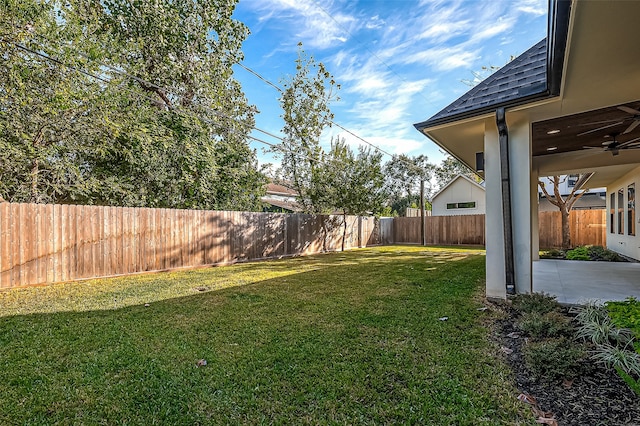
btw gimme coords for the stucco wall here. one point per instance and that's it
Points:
(459, 191)
(626, 244)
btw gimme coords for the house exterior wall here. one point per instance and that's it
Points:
(459, 191)
(565, 186)
(623, 220)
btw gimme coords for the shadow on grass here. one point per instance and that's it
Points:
(114, 293)
(342, 342)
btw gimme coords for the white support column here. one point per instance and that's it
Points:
(535, 226)
(520, 179)
(495, 265)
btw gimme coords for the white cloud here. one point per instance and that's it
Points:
(318, 26)
(534, 7)
(374, 23)
(444, 58)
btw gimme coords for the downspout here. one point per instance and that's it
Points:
(503, 133)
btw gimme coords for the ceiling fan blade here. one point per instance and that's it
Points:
(591, 123)
(630, 142)
(632, 126)
(592, 147)
(600, 128)
(629, 110)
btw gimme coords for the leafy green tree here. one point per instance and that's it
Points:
(356, 182)
(162, 122)
(403, 175)
(449, 168)
(306, 109)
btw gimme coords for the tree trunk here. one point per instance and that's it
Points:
(344, 229)
(566, 231)
(35, 170)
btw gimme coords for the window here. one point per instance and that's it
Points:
(572, 180)
(612, 213)
(620, 211)
(631, 209)
(467, 205)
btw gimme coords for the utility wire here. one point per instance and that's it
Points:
(123, 73)
(279, 89)
(180, 110)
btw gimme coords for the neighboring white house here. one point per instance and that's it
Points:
(459, 197)
(593, 199)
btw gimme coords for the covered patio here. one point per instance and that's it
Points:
(576, 282)
(568, 105)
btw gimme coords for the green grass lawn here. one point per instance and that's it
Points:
(346, 338)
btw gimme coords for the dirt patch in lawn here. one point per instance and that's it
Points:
(598, 396)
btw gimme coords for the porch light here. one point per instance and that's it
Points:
(553, 132)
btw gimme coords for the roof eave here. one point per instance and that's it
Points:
(558, 31)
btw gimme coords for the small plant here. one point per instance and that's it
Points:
(579, 253)
(596, 326)
(618, 357)
(605, 332)
(554, 359)
(591, 312)
(535, 302)
(551, 324)
(553, 254)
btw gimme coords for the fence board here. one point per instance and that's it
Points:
(586, 227)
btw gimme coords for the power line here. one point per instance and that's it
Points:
(155, 86)
(410, 164)
(91, 75)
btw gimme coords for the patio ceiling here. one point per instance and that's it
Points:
(591, 128)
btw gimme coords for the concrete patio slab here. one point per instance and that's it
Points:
(576, 282)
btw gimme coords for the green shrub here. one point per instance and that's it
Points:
(626, 314)
(579, 253)
(604, 254)
(551, 324)
(553, 254)
(593, 253)
(554, 359)
(535, 302)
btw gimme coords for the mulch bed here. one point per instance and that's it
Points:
(597, 397)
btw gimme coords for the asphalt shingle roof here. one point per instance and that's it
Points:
(521, 78)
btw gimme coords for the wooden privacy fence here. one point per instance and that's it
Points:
(52, 243)
(440, 230)
(586, 227)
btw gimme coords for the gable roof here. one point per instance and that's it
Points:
(444, 188)
(533, 75)
(519, 79)
(279, 189)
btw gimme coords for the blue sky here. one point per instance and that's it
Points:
(398, 61)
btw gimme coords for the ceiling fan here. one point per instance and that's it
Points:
(635, 122)
(614, 146)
